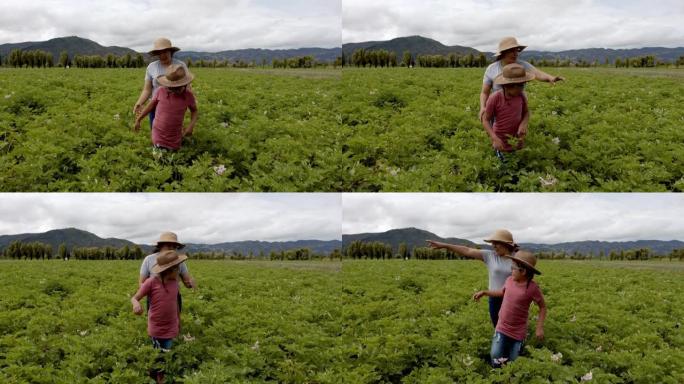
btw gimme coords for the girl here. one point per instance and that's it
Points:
(163, 318)
(497, 262)
(170, 104)
(518, 293)
(506, 115)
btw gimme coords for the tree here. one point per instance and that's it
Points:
(64, 59)
(407, 59)
(62, 251)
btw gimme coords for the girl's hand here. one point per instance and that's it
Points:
(540, 333)
(497, 143)
(478, 295)
(137, 309)
(522, 130)
(136, 127)
(187, 131)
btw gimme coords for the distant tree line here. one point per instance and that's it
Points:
(379, 250)
(40, 59)
(18, 250)
(292, 62)
(383, 58)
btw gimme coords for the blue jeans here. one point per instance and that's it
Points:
(494, 307)
(504, 347)
(163, 344)
(152, 118)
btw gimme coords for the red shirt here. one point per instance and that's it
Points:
(167, 129)
(509, 112)
(516, 306)
(162, 318)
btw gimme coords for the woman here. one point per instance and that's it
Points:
(168, 241)
(164, 50)
(508, 52)
(498, 263)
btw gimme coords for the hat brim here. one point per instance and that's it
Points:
(156, 52)
(157, 269)
(527, 265)
(189, 77)
(511, 243)
(180, 245)
(521, 47)
(500, 80)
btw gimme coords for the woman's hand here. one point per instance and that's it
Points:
(137, 109)
(479, 295)
(553, 79)
(481, 114)
(434, 244)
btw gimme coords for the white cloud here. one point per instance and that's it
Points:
(541, 24)
(206, 25)
(543, 218)
(203, 218)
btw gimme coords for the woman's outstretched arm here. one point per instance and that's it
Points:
(462, 250)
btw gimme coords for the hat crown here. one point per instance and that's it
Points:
(175, 72)
(502, 236)
(513, 71)
(168, 237)
(167, 257)
(527, 257)
(508, 43)
(162, 43)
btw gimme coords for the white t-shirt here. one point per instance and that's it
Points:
(496, 68)
(156, 69)
(499, 269)
(151, 260)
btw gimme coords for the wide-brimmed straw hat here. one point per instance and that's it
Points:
(508, 43)
(501, 236)
(527, 259)
(169, 237)
(166, 260)
(514, 74)
(176, 76)
(162, 44)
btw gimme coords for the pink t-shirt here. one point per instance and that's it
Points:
(509, 112)
(167, 129)
(162, 318)
(516, 306)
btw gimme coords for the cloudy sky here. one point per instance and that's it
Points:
(541, 24)
(206, 25)
(540, 218)
(196, 218)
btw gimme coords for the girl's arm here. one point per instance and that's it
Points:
(484, 95)
(540, 322)
(150, 106)
(194, 115)
(144, 95)
(486, 123)
(135, 301)
(460, 249)
(543, 76)
(522, 128)
(479, 294)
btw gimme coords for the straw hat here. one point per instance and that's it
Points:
(176, 76)
(169, 237)
(501, 236)
(166, 260)
(162, 44)
(513, 74)
(508, 43)
(527, 259)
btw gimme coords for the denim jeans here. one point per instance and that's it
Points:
(163, 344)
(504, 347)
(494, 307)
(152, 118)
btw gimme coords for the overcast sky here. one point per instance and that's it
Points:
(540, 218)
(541, 24)
(206, 25)
(196, 218)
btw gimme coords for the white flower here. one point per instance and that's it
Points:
(255, 347)
(117, 117)
(599, 348)
(548, 181)
(501, 360)
(556, 140)
(220, 169)
(468, 109)
(556, 357)
(588, 376)
(82, 333)
(224, 125)
(573, 319)
(468, 361)
(8, 96)
(188, 338)
(554, 113)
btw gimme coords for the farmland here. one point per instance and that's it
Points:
(351, 322)
(415, 322)
(259, 130)
(71, 322)
(601, 130)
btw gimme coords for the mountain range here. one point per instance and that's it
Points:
(419, 45)
(414, 237)
(75, 45)
(74, 237)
